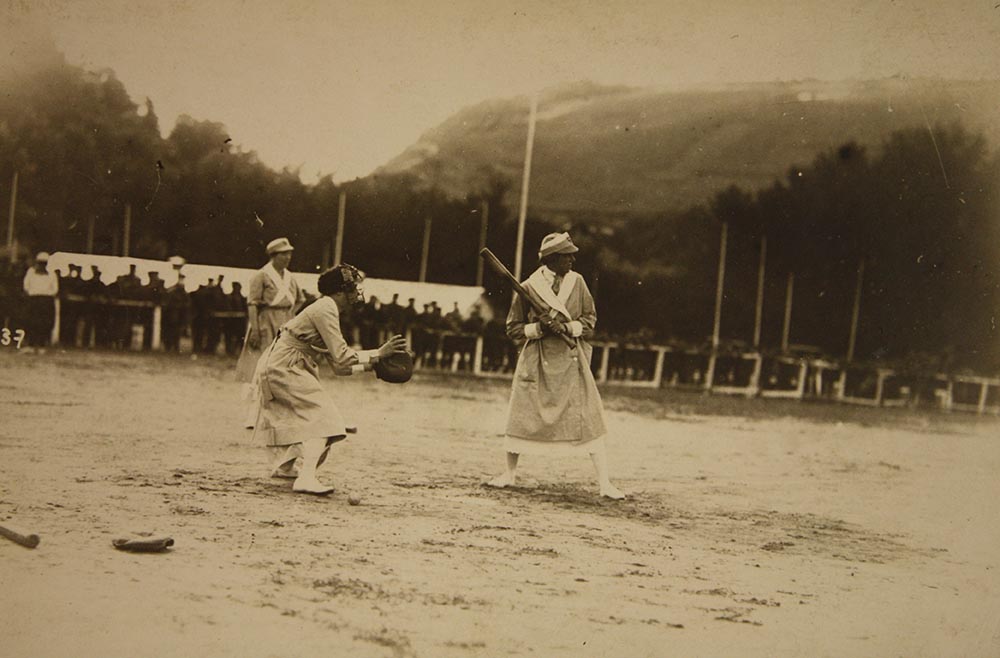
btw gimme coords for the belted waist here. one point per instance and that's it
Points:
(294, 341)
(288, 339)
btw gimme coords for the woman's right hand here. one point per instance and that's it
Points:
(395, 345)
(253, 339)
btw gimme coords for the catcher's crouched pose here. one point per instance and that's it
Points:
(297, 417)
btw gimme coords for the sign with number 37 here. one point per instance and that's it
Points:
(7, 337)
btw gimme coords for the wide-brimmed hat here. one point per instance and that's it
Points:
(557, 243)
(278, 245)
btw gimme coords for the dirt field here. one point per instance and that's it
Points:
(752, 528)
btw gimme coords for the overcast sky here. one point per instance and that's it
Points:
(341, 87)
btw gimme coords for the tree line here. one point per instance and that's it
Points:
(919, 214)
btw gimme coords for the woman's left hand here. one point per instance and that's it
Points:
(395, 345)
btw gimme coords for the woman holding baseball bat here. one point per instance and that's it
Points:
(555, 407)
(296, 416)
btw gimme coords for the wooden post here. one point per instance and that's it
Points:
(759, 316)
(786, 330)
(477, 359)
(90, 234)
(880, 386)
(522, 213)
(11, 241)
(661, 354)
(154, 342)
(338, 249)
(717, 322)
(54, 334)
(758, 366)
(128, 229)
(602, 374)
(719, 285)
(325, 257)
(484, 211)
(426, 250)
(800, 390)
(855, 313)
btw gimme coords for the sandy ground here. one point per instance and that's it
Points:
(745, 534)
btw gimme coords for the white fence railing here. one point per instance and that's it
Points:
(616, 364)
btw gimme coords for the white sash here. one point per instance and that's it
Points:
(283, 284)
(540, 285)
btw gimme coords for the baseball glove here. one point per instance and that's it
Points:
(395, 369)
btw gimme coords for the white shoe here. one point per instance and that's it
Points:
(286, 471)
(611, 491)
(311, 486)
(502, 481)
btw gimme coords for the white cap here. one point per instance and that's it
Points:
(42, 256)
(278, 245)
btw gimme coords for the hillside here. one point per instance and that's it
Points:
(615, 151)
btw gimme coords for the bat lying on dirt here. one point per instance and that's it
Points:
(143, 545)
(22, 538)
(502, 270)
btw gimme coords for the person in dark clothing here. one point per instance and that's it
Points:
(371, 324)
(409, 315)
(393, 315)
(152, 292)
(70, 306)
(95, 312)
(200, 316)
(176, 314)
(216, 304)
(127, 289)
(234, 325)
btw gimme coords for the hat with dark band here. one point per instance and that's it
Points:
(557, 243)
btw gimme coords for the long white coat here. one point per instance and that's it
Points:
(554, 396)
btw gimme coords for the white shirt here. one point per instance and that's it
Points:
(41, 284)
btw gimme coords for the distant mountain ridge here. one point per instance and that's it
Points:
(616, 151)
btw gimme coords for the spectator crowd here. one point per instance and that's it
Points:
(121, 315)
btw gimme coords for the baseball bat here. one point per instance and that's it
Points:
(502, 270)
(24, 539)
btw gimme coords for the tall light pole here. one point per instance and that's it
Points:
(338, 247)
(484, 218)
(786, 329)
(856, 311)
(11, 242)
(717, 321)
(719, 287)
(523, 211)
(127, 233)
(759, 311)
(425, 253)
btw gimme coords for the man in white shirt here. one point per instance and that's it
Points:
(41, 287)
